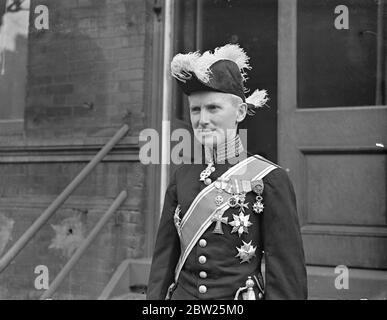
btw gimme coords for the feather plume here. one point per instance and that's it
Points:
(256, 100)
(182, 65)
(202, 66)
(234, 53)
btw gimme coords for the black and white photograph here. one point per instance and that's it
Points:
(197, 150)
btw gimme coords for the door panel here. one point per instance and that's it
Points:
(348, 207)
(335, 156)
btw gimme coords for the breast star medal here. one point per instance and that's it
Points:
(240, 223)
(257, 186)
(246, 252)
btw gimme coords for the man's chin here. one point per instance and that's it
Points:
(209, 140)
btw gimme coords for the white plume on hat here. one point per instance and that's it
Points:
(183, 65)
(257, 100)
(234, 53)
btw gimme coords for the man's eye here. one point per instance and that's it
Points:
(195, 110)
(212, 107)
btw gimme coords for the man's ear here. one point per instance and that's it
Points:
(241, 112)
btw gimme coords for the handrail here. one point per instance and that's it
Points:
(78, 253)
(34, 228)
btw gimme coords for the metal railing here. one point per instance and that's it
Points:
(85, 244)
(7, 258)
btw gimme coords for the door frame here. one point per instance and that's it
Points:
(157, 87)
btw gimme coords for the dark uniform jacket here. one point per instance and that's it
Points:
(276, 231)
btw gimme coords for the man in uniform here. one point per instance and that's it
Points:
(222, 217)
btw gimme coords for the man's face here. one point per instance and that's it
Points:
(215, 116)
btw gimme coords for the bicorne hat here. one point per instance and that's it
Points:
(224, 70)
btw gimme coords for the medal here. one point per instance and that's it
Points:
(233, 201)
(240, 223)
(258, 205)
(242, 205)
(219, 220)
(246, 252)
(257, 186)
(218, 200)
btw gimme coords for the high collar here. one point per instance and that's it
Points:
(226, 151)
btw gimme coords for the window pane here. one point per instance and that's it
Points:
(337, 67)
(13, 63)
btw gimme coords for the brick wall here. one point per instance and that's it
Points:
(86, 72)
(85, 80)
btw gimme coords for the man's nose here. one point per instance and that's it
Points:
(204, 117)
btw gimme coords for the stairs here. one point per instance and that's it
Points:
(128, 281)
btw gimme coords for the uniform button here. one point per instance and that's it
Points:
(202, 289)
(202, 259)
(202, 243)
(203, 274)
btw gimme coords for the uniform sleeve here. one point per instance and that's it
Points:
(167, 248)
(285, 271)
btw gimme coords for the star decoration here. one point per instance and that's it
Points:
(246, 252)
(240, 223)
(258, 207)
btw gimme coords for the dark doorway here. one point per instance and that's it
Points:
(207, 24)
